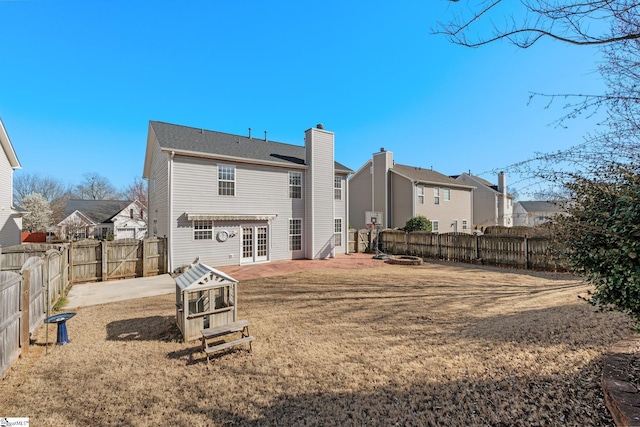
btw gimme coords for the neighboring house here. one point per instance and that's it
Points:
(10, 216)
(492, 205)
(103, 219)
(230, 199)
(400, 192)
(534, 213)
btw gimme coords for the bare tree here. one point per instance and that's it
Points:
(589, 22)
(52, 189)
(137, 190)
(39, 214)
(96, 187)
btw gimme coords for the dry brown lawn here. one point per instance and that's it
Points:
(439, 344)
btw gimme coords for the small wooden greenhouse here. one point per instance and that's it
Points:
(205, 297)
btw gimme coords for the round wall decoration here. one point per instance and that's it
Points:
(222, 236)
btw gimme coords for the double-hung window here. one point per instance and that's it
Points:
(420, 194)
(295, 185)
(465, 224)
(202, 230)
(446, 193)
(295, 234)
(226, 180)
(337, 188)
(436, 196)
(435, 226)
(337, 229)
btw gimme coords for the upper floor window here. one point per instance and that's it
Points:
(337, 186)
(131, 213)
(421, 194)
(202, 230)
(436, 196)
(226, 180)
(295, 185)
(446, 193)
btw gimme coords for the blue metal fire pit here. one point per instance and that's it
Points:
(61, 321)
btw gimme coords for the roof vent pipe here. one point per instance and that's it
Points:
(250, 133)
(265, 136)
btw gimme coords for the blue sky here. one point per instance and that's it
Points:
(82, 79)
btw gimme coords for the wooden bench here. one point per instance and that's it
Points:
(241, 326)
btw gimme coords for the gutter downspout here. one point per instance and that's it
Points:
(170, 216)
(346, 195)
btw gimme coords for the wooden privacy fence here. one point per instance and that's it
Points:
(24, 304)
(362, 240)
(499, 250)
(93, 260)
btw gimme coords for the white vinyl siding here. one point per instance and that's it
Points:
(196, 192)
(159, 194)
(10, 228)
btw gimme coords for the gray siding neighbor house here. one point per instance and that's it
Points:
(400, 192)
(231, 199)
(10, 216)
(492, 205)
(535, 212)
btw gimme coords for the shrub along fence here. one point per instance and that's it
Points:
(505, 251)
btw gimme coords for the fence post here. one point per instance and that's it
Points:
(143, 256)
(103, 256)
(70, 262)
(25, 283)
(526, 253)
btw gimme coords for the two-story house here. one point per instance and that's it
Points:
(10, 216)
(401, 192)
(492, 205)
(535, 212)
(103, 219)
(231, 199)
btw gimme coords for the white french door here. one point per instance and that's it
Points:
(255, 243)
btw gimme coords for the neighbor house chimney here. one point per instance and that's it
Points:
(502, 183)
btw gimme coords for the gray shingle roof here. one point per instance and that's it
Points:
(99, 211)
(540, 206)
(427, 176)
(184, 138)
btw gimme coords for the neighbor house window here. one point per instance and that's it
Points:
(421, 194)
(435, 226)
(295, 185)
(202, 230)
(337, 230)
(337, 188)
(226, 180)
(131, 213)
(446, 194)
(436, 196)
(295, 234)
(464, 224)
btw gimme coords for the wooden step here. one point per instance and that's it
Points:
(222, 346)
